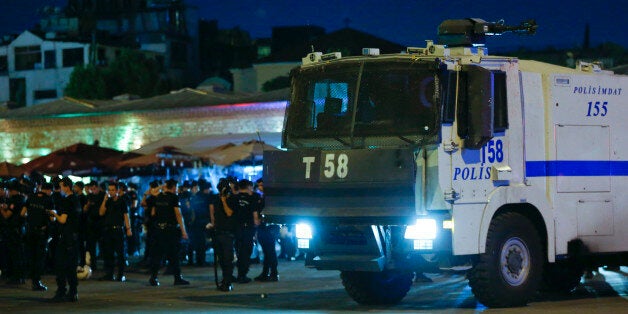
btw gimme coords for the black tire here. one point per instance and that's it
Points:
(376, 288)
(561, 277)
(509, 272)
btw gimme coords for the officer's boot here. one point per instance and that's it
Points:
(153, 281)
(263, 276)
(72, 295)
(59, 296)
(179, 281)
(274, 276)
(225, 286)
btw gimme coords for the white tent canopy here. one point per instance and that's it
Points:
(200, 143)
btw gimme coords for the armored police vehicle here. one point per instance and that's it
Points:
(447, 156)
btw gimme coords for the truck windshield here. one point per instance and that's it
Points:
(362, 99)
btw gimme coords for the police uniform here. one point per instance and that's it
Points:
(167, 239)
(14, 235)
(149, 223)
(200, 207)
(244, 205)
(113, 234)
(224, 229)
(37, 220)
(267, 236)
(133, 242)
(93, 226)
(186, 211)
(67, 251)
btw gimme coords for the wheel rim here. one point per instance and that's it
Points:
(514, 261)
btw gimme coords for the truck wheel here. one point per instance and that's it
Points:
(509, 272)
(561, 277)
(372, 288)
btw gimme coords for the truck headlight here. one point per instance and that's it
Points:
(303, 231)
(424, 229)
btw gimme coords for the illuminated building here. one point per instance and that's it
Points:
(129, 124)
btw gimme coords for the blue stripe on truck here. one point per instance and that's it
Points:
(574, 168)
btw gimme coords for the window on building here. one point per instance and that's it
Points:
(72, 57)
(17, 92)
(102, 57)
(4, 65)
(27, 58)
(50, 59)
(263, 51)
(45, 94)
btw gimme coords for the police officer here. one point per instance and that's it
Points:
(37, 219)
(169, 230)
(148, 201)
(200, 207)
(133, 242)
(14, 228)
(66, 216)
(116, 224)
(185, 195)
(224, 224)
(267, 236)
(93, 228)
(245, 207)
(79, 191)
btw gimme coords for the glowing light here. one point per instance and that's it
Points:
(303, 231)
(303, 243)
(424, 229)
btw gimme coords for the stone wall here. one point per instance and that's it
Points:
(25, 139)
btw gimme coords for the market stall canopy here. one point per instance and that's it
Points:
(205, 153)
(9, 170)
(79, 159)
(251, 151)
(166, 156)
(198, 145)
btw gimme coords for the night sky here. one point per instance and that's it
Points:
(410, 22)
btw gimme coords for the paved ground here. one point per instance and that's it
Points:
(299, 290)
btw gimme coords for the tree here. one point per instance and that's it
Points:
(87, 82)
(131, 72)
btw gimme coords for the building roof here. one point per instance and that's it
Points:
(184, 98)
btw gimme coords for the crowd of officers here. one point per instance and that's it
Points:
(60, 225)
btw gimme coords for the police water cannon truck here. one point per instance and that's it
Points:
(445, 156)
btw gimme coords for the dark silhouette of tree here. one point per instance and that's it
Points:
(131, 72)
(87, 82)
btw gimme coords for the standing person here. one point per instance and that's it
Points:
(133, 242)
(244, 206)
(169, 230)
(57, 198)
(188, 216)
(115, 213)
(200, 207)
(148, 201)
(79, 191)
(37, 219)
(224, 223)
(267, 237)
(93, 228)
(66, 216)
(14, 224)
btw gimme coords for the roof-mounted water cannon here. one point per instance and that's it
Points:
(473, 31)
